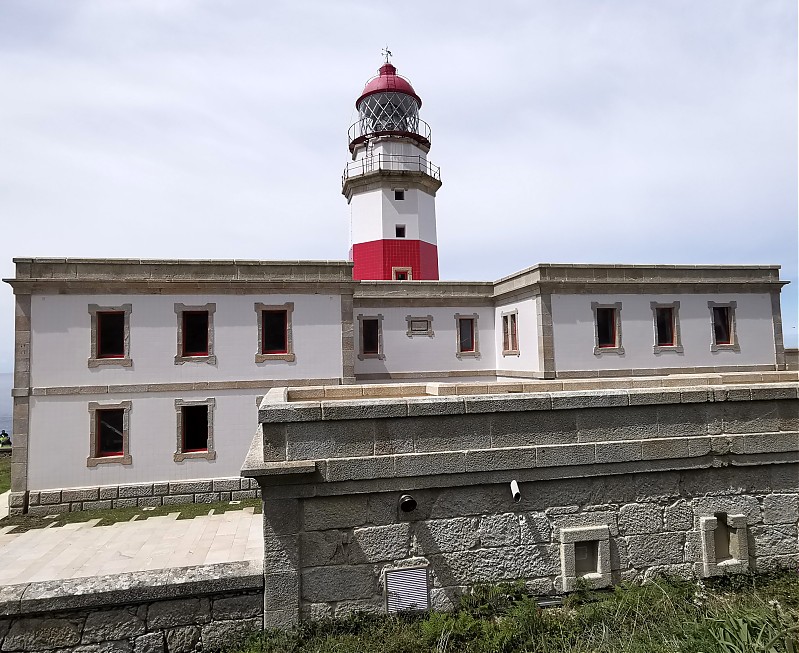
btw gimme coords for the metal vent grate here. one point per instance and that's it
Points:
(407, 589)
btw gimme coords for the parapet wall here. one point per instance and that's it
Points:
(641, 479)
(204, 608)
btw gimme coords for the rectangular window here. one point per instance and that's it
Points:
(606, 327)
(466, 334)
(510, 338)
(370, 334)
(111, 334)
(195, 333)
(370, 337)
(664, 326)
(399, 194)
(275, 332)
(586, 557)
(399, 230)
(722, 325)
(110, 432)
(195, 428)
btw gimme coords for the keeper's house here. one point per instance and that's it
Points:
(136, 382)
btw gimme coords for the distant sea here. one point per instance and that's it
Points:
(6, 383)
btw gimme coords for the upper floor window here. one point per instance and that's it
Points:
(399, 231)
(399, 194)
(467, 337)
(110, 335)
(401, 274)
(667, 327)
(607, 328)
(195, 334)
(370, 330)
(510, 336)
(275, 334)
(722, 319)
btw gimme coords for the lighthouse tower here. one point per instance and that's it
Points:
(390, 185)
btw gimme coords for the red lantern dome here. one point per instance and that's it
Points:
(386, 82)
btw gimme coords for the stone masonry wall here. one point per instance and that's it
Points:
(646, 475)
(51, 502)
(477, 534)
(163, 611)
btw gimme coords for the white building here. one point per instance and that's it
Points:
(136, 382)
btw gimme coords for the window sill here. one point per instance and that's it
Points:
(618, 351)
(125, 459)
(467, 354)
(209, 359)
(664, 349)
(511, 352)
(260, 358)
(194, 455)
(362, 357)
(730, 347)
(120, 362)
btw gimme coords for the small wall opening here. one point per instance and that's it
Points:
(722, 537)
(586, 557)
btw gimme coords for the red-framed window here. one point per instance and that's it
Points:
(195, 333)
(194, 420)
(110, 428)
(664, 326)
(722, 325)
(510, 339)
(111, 334)
(275, 332)
(370, 335)
(466, 336)
(606, 327)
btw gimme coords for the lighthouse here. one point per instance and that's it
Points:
(390, 184)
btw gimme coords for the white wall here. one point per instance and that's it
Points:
(424, 354)
(375, 214)
(61, 340)
(527, 330)
(573, 322)
(59, 439)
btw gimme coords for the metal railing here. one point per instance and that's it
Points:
(412, 127)
(391, 162)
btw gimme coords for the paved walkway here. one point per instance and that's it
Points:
(82, 549)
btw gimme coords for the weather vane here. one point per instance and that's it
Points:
(386, 53)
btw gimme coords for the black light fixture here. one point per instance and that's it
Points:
(407, 503)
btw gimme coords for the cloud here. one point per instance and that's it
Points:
(574, 131)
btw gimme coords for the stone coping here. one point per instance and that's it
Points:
(318, 396)
(131, 587)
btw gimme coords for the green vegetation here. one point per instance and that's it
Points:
(5, 473)
(741, 614)
(107, 517)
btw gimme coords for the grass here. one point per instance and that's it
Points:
(5, 473)
(114, 515)
(740, 614)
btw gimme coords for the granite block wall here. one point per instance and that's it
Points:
(336, 548)
(163, 611)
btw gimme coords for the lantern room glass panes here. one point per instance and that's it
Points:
(389, 112)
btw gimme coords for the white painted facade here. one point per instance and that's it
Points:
(61, 340)
(417, 213)
(420, 354)
(527, 334)
(574, 330)
(59, 439)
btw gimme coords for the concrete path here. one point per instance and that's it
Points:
(82, 549)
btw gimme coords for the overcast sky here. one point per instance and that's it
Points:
(570, 131)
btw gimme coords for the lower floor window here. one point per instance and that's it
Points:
(195, 429)
(109, 433)
(468, 344)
